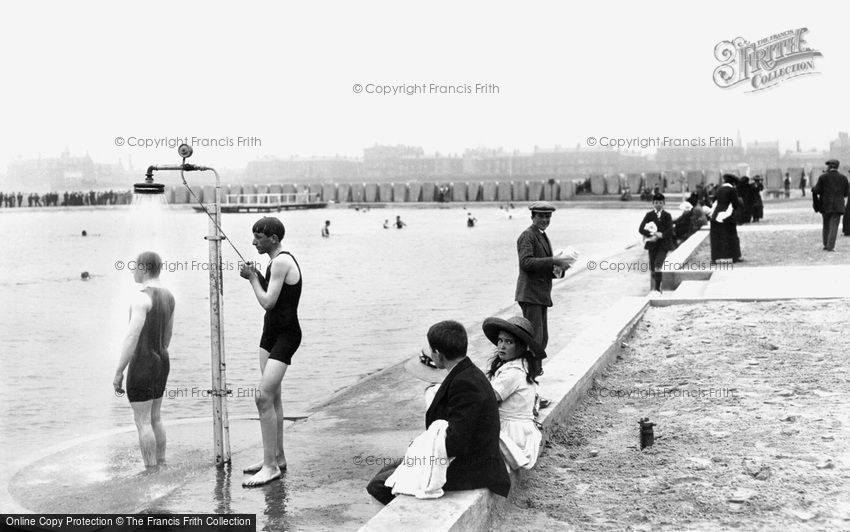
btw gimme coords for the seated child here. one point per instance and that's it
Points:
(513, 370)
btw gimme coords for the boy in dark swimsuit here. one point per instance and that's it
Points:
(278, 293)
(145, 350)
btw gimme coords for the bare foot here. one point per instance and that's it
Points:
(251, 469)
(263, 476)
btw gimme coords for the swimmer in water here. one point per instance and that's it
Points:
(470, 220)
(398, 223)
(326, 231)
(145, 350)
(278, 293)
(386, 224)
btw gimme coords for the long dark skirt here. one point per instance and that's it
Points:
(724, 241)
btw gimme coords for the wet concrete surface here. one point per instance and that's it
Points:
(332, 454)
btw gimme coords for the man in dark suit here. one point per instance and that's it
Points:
(658, 242)
(828, 197)
(466, 400)
(536, 270)
(724, 233)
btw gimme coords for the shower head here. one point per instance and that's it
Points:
(149, 187)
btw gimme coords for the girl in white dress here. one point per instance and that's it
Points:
(513, 372)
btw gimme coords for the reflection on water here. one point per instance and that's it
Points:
(369, 296)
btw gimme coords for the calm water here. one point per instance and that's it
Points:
(369, 296)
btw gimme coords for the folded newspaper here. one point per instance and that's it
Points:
(568, 251)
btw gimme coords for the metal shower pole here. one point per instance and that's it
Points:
(221, 424)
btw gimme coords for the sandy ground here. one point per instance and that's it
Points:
(761, 443)
(782, 248)
(798, 216)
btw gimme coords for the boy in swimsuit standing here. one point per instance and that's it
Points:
(145, 350)
(278, 293)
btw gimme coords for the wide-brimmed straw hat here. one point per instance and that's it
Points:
(518, 326)
(422, 367)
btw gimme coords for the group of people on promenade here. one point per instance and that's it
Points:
(53, 199)
(737, 201)
(482, 424)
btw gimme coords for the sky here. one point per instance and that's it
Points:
(77, 76)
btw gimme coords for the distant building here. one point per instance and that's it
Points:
(840, 148)
(406, 163)
(762, 155)
(713, 158)
(65, 172)
(303, 170)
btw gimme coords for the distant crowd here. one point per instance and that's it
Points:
(54, 199)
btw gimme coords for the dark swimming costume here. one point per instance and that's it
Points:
(149, 366)
(281, 329)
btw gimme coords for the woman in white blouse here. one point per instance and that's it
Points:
(513, 372)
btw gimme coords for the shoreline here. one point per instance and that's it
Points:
(585, 201)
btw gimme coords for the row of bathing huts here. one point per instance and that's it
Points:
(566, 188)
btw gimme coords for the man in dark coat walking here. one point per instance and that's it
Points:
(828, 199)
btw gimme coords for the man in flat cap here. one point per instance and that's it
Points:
(828, 199)
(537, 269)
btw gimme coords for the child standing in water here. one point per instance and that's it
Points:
(278, 293)
(513, 373)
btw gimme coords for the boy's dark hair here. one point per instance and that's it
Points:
(449, 338)
(269, 226)
(149, 261)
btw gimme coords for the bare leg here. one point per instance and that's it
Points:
(278, 407)
(158, 431)
(147, 440)
(269, 385)
(278, 412)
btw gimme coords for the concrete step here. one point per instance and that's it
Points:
(690, 289)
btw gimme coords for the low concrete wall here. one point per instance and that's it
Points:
(674, 275)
